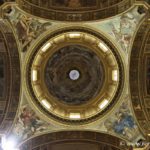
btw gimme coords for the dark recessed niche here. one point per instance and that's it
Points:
(74, 140)
(9, 76)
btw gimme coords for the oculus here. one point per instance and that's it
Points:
(74, 74)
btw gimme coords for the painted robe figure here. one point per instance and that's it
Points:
(27, 28)
(28, 123)
(123, 122)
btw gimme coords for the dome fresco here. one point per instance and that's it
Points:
(63, 67)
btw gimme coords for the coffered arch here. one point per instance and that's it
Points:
(80, 140)
(139, 76)
(9, 77)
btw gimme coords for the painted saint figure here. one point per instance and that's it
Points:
(123, 122)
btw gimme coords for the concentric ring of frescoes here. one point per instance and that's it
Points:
(74, 74)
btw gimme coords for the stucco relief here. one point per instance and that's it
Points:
(27, 28)
(123, 27)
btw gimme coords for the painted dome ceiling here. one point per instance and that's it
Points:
(68, 74)
(75, 72)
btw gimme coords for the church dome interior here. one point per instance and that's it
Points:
(74, 74)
